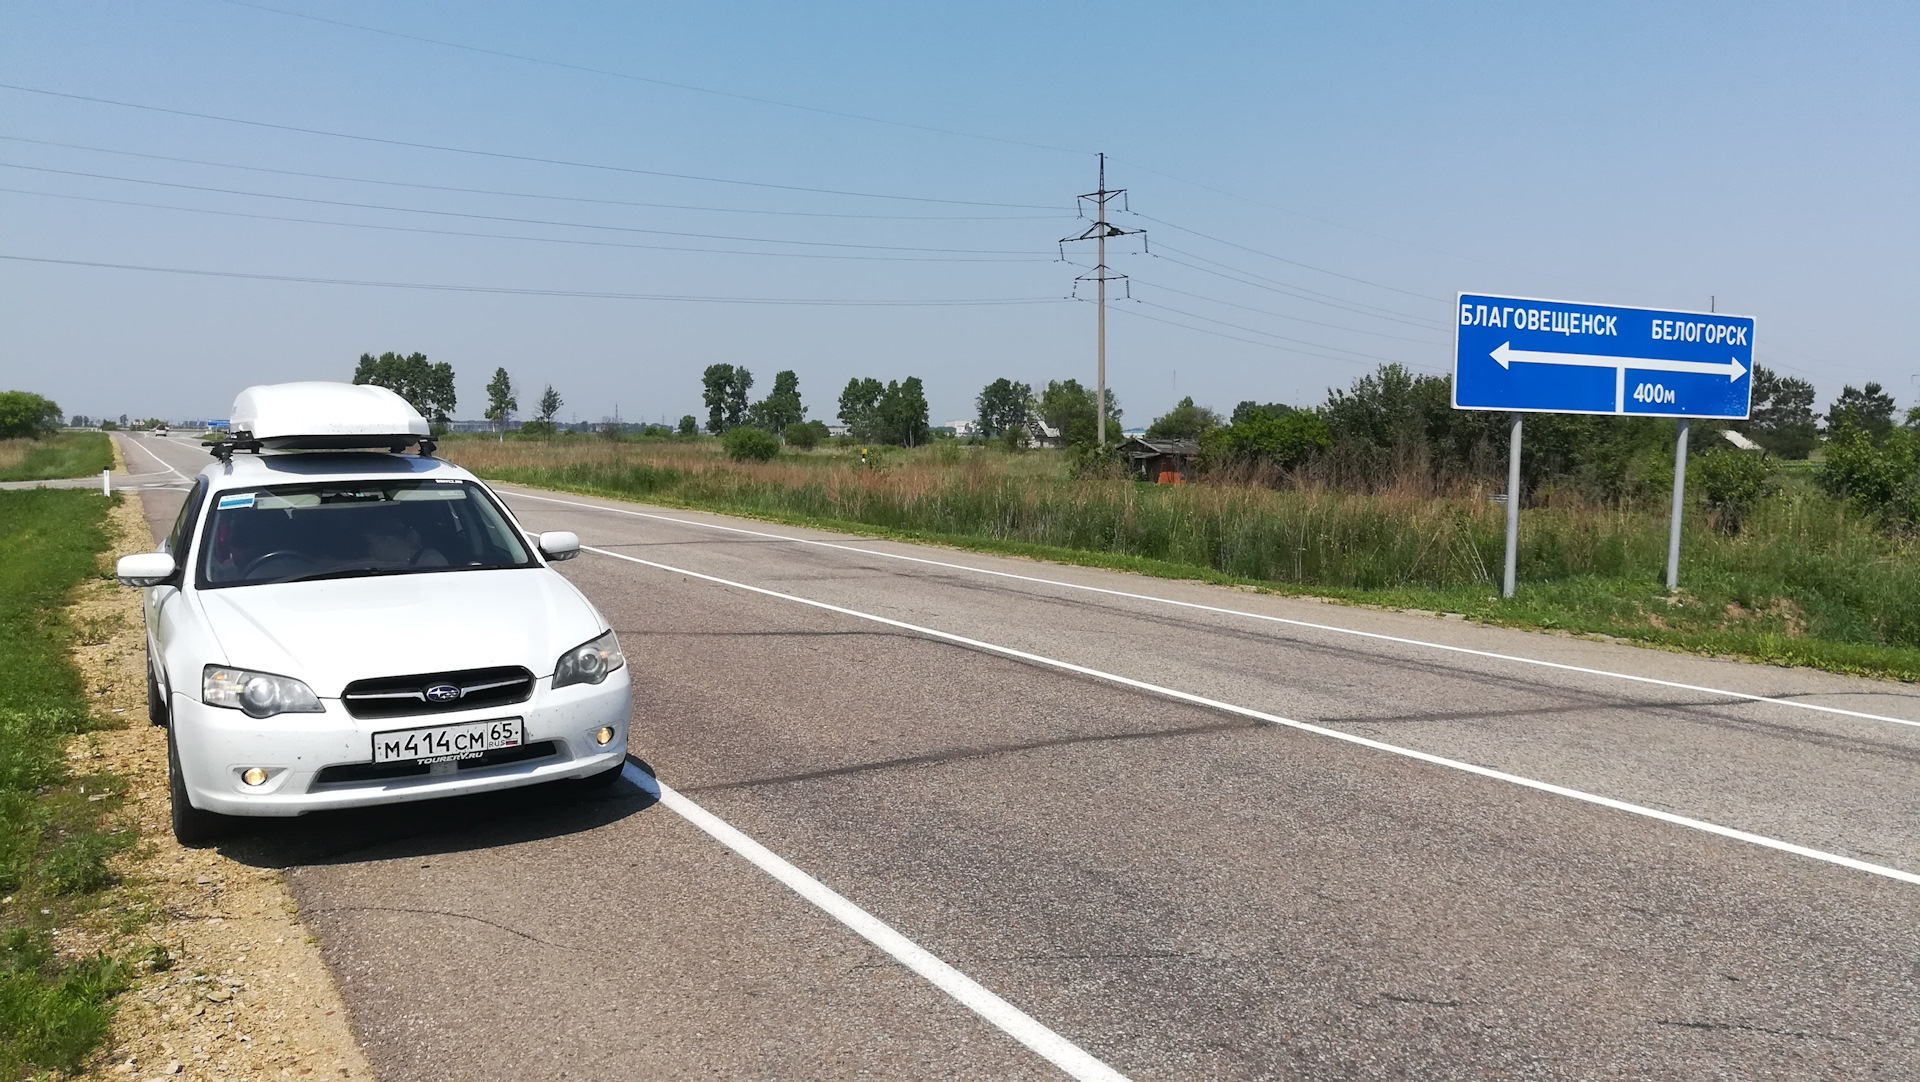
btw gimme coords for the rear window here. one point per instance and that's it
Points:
(352, 529)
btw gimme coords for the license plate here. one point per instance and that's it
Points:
(445, 743)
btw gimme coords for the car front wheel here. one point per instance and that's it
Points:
(192, 827)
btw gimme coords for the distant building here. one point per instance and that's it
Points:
(1042, 434)
(1166, 462)
(963, 429)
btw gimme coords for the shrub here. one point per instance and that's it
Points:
(749, 444)
(1883, 478)
(1285, 441)
(540, 429)
(807, 435)
(1730, 483)
(23, 413)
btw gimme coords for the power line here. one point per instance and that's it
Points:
(508, 236)
(1283, 315)
(1124, 310)
(656, 82)
(1297, 293)
(1268, 334)
(529, 292)
(510, 219)
(510, 156)
(1292, 262)
(537, 195)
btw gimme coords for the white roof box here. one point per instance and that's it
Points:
(339, 416)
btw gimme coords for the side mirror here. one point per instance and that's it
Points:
(559, 545)
(144, 569)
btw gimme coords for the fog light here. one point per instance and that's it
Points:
(254, 776)
(604, 735)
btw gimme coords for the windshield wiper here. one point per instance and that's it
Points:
(357, 572)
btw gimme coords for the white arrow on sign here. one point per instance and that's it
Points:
(1507, 355)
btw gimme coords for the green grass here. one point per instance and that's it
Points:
(54, 841)
(64, 454)
(1808, 581)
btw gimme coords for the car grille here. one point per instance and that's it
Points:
(402, 696)
(345, 773)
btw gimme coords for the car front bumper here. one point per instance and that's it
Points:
(218, 745)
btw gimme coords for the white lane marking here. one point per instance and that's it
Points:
(1748, 696)
(1306, 727)
(163, 462)
(1016, 1023)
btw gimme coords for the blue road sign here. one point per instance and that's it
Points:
(1533, 356)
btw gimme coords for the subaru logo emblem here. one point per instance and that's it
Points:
(442, 693)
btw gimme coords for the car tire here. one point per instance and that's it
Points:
(192, 827)
(156, 703)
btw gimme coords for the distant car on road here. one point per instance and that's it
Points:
(332, 623)
(160, 430)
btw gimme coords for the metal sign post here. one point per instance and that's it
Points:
(1525, 355)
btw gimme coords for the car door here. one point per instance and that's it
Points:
(161, 604)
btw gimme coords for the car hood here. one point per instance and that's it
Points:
(334, 631)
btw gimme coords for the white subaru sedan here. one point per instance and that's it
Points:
(332, 626)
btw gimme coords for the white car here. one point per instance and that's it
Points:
(333, 624)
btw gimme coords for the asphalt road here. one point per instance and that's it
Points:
(1161, 840)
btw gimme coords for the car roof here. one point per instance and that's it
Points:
(298, 467)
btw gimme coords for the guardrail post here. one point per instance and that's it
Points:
(106, 482)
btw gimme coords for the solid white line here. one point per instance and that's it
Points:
(1016, 1023)
(1305, 727)
(163, 462)
(1748, 696)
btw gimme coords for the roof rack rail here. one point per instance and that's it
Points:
(223, 449)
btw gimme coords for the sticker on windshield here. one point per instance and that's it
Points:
(238, 499)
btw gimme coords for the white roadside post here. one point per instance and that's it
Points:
(1679, 502)
(106, 482)
(1513, 508)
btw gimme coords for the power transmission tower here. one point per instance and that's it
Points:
(1099, 231)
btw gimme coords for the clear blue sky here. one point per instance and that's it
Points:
(1652, 154)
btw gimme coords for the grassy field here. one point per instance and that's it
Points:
(55, 830)
(1807, 582)
(64, 454)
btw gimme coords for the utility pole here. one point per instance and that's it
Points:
(1099, 231)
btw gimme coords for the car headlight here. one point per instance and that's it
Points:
(258, 694)
(590, 662)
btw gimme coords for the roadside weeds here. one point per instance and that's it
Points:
(230, 983)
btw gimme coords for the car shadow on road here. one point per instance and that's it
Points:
(429, 827)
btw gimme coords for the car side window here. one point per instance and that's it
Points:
(189, 512)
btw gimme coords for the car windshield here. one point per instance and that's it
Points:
(348, 529)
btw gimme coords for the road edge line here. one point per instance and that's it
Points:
(1011, 1020)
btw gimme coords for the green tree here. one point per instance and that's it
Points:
(782, 407)
(745, 443)
(427, 386)
(1069, 407)
(550, 403)
(1883, 476)
(860, 406)
(724, 389)
(1286, 441)
(1730, 483)
(689, 427)
(901, 416)
(501, 402)
(806, 435)
(1868, 409)
(1248, 409)
(25, 414)
(1185, 421)
(1003, 406)
(1782, 421)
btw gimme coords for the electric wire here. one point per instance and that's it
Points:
(658, 82)
(1135, 314)
(508, 156)
(537, 195)
(1284, 259)
(508, 236)
(1285, 291)
(1269, 334)
(1277, 315)
(515, 220)
(828, 302)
